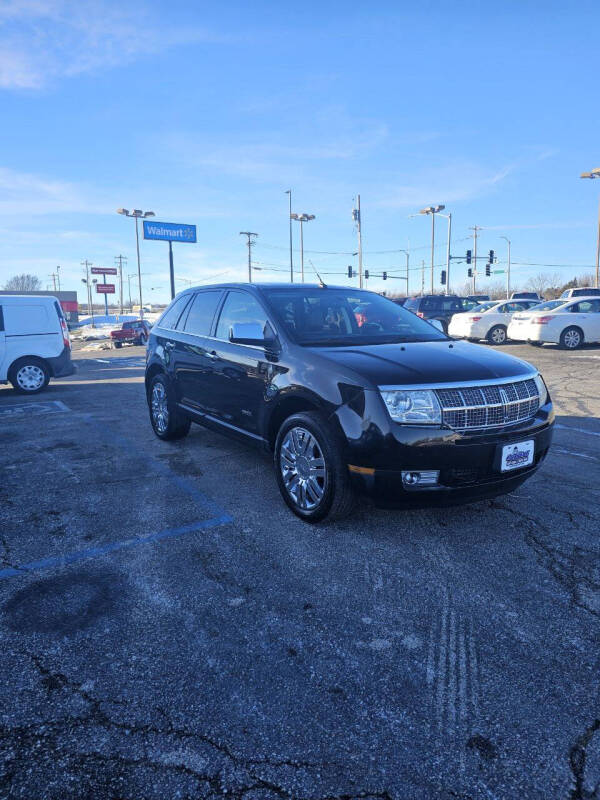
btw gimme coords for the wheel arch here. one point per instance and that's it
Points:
(153, 369)
(286, 406)
(38, 359)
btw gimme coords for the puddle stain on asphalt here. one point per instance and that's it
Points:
(64, 604)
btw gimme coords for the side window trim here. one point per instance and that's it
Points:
(1, 320)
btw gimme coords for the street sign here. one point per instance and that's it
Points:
(169, 232)
(105, 288)
(104, 271)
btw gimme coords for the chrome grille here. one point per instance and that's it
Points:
(493, 406)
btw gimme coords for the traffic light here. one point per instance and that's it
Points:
(366, 274)
(470, 272)
(488, 268)
(491, 259)
(443, 277)
(469, 256)
(385, 276)
(349, 271)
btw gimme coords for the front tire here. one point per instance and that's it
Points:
(571, 338)
(118, 345)
(168, 423)
(312, 476)
(497, 335)
(29, 375)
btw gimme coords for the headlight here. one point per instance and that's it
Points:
(412, 406)
(541, 387)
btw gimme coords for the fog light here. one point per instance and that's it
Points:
(428, 477)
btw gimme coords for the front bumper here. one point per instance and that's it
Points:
(467, 462)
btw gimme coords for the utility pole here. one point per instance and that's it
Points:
(119, 260)
(58, 276)
(422, 278)
(475, 228)
(289, 192)
(53, 276)
(249, 234)
(448, 256)
(357, 218)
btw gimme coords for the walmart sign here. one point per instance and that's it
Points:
(169, 231)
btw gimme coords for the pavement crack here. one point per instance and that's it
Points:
(577, 762)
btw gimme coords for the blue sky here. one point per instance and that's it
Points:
(207, 113)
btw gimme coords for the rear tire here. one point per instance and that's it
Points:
(118, 345)
(497, 335)
(167, 421)
(29, 375)
(571, 338)
(312, 476)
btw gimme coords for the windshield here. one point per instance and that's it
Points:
(314, 316)
(485, 306)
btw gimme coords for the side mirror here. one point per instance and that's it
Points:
(436, 324)
(250, 333)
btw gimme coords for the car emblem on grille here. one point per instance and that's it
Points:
(504, 398)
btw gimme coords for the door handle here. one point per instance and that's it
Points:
(212, 354)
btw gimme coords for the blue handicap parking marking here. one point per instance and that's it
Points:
(33, 409)
(217, 516)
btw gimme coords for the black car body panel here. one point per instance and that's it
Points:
(248, 391)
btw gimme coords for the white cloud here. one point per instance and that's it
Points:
(46, 39)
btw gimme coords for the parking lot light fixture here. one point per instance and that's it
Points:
(302, 218)
(595, 173)
(432, 211)
(137, 213)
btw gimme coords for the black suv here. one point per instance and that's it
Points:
(439, 306)
(383, 402)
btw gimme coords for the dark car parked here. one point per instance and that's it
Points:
(438, 306)
(393, 407)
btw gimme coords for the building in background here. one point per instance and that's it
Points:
(67, 300)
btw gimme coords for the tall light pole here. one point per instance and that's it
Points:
(302, 218)
(249, 234)
(87, 264)
(289, 193)
(595, 173)
(448, 256)
(432, 211)
(137, 213)
(58, 276)
(356, 216)
(506, 239)
(475, 230)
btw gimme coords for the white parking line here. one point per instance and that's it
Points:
(577, 430)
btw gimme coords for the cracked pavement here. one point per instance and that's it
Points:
(446, 653)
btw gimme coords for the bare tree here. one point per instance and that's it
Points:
(23, 283)
(543, 284)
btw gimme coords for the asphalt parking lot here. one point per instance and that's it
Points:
(170, 630)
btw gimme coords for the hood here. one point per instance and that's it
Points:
(424, 362)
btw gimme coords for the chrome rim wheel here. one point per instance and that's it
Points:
(498, 335)
(160, 410)
(303, 468)
(572, 339)
(30, 377)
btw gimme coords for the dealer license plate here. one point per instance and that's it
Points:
(516, 455)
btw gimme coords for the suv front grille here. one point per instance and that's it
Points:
(494, 406)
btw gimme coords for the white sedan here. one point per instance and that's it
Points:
(488, 321)
(569, 324)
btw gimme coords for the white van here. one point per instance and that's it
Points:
(34, 342)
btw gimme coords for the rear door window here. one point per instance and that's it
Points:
(201, 314)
